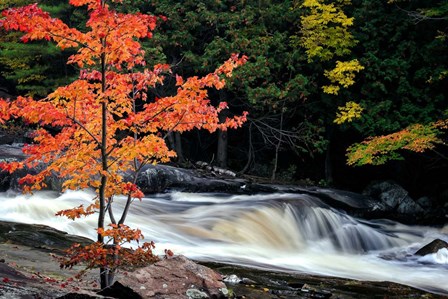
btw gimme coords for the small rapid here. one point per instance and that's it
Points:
(285, 232)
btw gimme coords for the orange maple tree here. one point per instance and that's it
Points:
(104, 124)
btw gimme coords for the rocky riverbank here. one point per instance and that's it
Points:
(27, 270)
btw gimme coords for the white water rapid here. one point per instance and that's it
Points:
(287, 232)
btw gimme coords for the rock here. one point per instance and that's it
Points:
(432, 247)
(38, 236)
(196, 294)
(14, 284)
(159, 178)
(388, 192)
(393, 197)
(425, 202)
(82, 296)
(117, 290)
(232, 279)
(10, 273)
(214, 169)
(173, 278)
(13, 152)
(409, 207)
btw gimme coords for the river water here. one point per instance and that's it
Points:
(285, 232)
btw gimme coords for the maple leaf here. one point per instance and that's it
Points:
(4, 111)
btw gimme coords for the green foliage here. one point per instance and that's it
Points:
(288, 174)
(274, 81)
(35, 68)
(403, 62)
(4, 4)
(409, 84)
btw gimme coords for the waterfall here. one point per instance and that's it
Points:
(286, 232)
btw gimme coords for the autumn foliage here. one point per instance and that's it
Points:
(380, 149)
(105, 124)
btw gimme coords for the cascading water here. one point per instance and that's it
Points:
(288, 232)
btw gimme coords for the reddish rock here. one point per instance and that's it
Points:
(172, 278)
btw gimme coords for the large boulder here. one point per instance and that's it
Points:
(393, 197)
(432, 247)
(174, 278)
(38, 236)
(159, 178)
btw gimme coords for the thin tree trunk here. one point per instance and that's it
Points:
(104, 271)
(250, 153)
(221, 151)
(328, 166)
(274, 170)
(277, 148)
(328, 163)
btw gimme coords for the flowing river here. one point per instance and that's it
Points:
(284, 232)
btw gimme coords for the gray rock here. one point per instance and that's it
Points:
(409, 207)
(38, 236)
(196, 294)
(159, 178)
(232, 279)
(393, 197)
(424, 202)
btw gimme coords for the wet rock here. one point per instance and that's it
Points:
(159, 178)
(432, 247)
(393, 197)
(232, 279)
(409, 207)
(13, 152)
(174, 278)
(425, 202)
(38, 236)
(313, 293)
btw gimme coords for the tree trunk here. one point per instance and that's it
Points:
(178, 147)
(277, 147)
(328, 164)
(221, 151)
(328, 167)
(250, 154)
(221, 154)
(170, 138)
(106, 277)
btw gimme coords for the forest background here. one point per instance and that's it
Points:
(301, 119)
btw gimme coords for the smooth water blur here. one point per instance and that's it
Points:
(288, 232)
